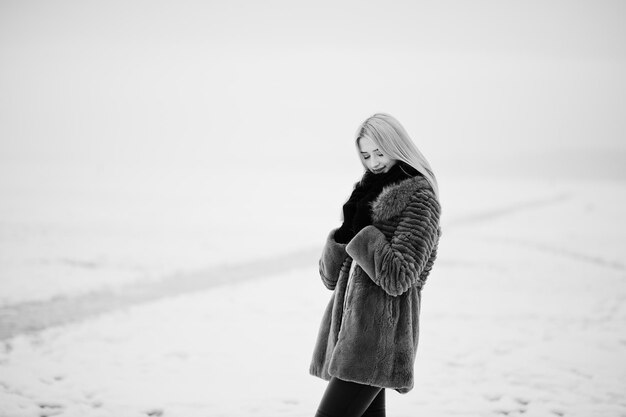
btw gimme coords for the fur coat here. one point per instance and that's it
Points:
(370, 328)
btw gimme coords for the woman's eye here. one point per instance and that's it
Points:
(366, 157)
(380, 154)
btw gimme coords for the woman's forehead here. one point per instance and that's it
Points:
(367, 144)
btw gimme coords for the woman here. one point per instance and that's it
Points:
(376, 264)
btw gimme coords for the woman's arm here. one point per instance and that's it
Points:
(396, 266)
(333, 257)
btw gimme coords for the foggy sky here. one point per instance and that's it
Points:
(192, 83)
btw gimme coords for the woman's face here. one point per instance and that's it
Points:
(374, 159)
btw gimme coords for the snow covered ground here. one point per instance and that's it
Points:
(524, 313)
(170, 170)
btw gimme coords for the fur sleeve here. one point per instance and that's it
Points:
(333, 257)
(396, 266)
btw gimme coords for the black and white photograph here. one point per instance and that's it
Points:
(295, 208)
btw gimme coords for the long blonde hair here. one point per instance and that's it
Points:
(391, 138)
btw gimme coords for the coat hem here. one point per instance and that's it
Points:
(401, 390)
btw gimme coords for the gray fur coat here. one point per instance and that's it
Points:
(370, 328)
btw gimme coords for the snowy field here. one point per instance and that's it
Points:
(523, 314)
(170, 170)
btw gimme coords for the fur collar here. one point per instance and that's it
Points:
(394, 198)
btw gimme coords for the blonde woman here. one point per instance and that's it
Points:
(376, 264)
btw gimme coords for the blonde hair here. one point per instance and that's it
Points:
(391, 138)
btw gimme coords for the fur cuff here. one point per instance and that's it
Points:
(333, 257)
(363, 247)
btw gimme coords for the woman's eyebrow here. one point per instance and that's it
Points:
(368, 152)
